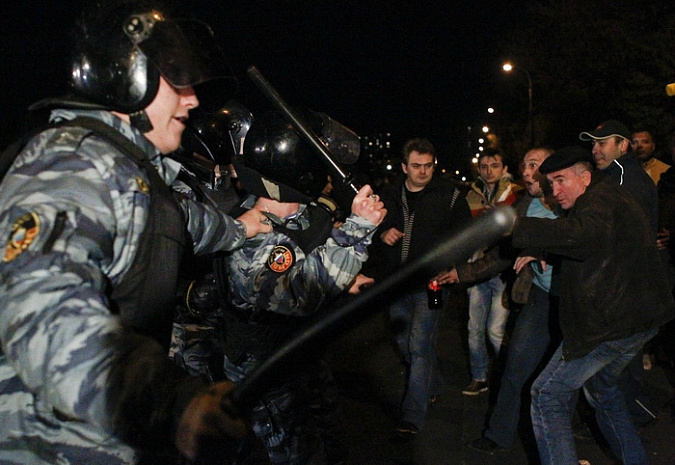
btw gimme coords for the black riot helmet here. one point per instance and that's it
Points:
(123, 47)
(218, 135)
(274, 150)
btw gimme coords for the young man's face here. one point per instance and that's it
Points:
(168, 113)
(643, 145)
(568, 185)
(491, 169)
(531, 176)
(605, 151)
(420, 169)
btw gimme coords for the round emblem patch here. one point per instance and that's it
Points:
(24, 231)
(281, 258)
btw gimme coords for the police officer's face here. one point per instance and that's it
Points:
(168, 113)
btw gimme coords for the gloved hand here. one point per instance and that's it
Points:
(208, 433)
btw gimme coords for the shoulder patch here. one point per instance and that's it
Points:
(24, 231)
(281, 258)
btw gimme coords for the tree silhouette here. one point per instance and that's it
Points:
(593, 61)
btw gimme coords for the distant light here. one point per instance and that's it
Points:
(457, 172)
(389, 167)
(477, 155)
(463, 178)
(443, 171)
(480, 148)
(481, 140)
(474, 160)
(486, 129)
(490, 110)
(507, 67)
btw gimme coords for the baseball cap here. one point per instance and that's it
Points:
(607, 129)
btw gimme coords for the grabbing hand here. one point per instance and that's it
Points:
(448, 277)
(207, 433)
(368, 205)
(256, 223)
(521, 262)
(359, 280)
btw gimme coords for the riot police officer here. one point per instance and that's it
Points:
(278, 280)
(93, 239)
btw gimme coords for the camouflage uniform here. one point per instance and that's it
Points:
(273, 284)
(72, 210)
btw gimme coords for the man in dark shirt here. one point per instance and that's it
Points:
(422, 210)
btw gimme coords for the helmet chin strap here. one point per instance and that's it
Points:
(140, 121)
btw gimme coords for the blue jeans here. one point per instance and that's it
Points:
(486, 313)
(529, 343)
(597, 373)
(415, 327)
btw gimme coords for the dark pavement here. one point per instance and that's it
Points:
(371, 381)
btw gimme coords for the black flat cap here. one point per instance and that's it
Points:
(607, 129)
(564, 158)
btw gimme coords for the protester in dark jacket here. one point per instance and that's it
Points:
(422, 210)
(613, 298)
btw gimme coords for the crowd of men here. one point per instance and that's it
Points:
(152, 265)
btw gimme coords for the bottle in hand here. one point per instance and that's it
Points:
(435, 294)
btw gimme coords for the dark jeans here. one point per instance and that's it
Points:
(597, 372)
(529, 344)
(416, 326)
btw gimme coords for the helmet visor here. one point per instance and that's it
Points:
(186, 53)
(344, 144)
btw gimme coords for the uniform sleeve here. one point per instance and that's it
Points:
(322, 274)
(212, 230)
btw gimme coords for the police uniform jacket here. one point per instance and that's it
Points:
(72, 209)
(612, 282)
(274, 284)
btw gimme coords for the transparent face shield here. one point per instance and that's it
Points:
(186, 54)
(343, 143)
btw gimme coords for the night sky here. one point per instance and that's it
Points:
(411, 68)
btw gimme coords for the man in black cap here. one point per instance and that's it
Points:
(613, 158)
(619, 164)
(613, 298)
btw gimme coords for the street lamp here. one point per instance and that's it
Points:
(508, 67)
